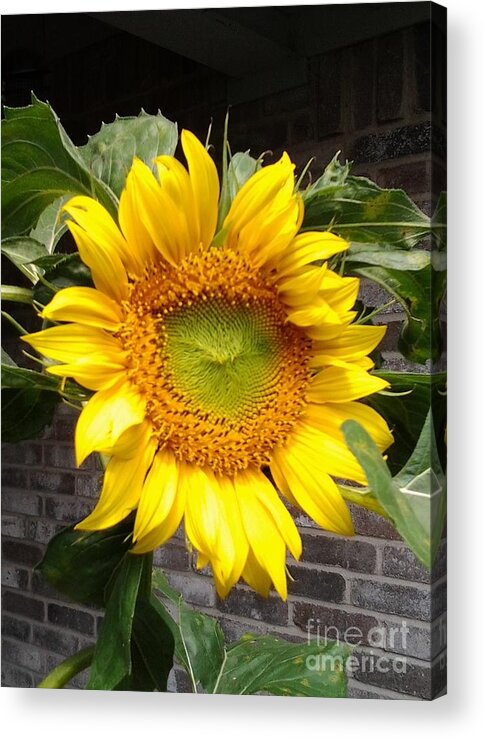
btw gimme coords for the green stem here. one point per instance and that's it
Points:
(146, 576)
(68, 669)
(17, 294)
(13, 322)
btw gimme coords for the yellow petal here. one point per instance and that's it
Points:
(339, 292)
(330, 417)
(330, 453)
(316, 313)
(132, 224)
(267, 495)
(256, 576)
(177, 197)
(233, 530)
(84, 305)
(94, 372)
(259, 191)
(300, 289)
(338, 384)
(161, 506)
(153, 206)
(353, 342)
(129, 442)
(265, 213)
(205, 185)
(308, 248)
(208, 526)
(314, 490)
(105, 417)
(95, 220)
(202, 510)
(262, 532)
(122, 486)
(69, 343)
(108, 272)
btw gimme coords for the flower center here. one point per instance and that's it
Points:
(223, 373)
(224, 357)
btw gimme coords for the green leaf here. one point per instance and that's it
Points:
(26, 413)
(39, 165)
(199, 641)
(420, 293)
(334, 175)
(52, 261)
(363, 497)
(439, 223)
(153, 648)
(23, 251)
(112, 656)
(358, 210)
(415, 499)
(51, 225)
(79, 563)
(252, 664)
(6, 359)
(405, 407)
(110, 152)
(258, 664)
(240, 168)
(62, 270)
(384, 255)
(16, 377)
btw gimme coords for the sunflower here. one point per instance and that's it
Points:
(223, 364)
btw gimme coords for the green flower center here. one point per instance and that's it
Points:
(223, 357)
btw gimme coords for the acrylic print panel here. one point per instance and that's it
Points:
(224, 403)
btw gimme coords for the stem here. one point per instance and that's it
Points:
(146, 575)
(16, 325)
(17, 294)
(68, 669)
(48, 284)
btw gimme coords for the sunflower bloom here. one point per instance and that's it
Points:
(215, 369)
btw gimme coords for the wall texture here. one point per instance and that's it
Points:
(377, 103)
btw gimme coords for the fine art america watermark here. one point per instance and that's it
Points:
(384, 638)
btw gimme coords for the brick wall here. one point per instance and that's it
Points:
(372, 101)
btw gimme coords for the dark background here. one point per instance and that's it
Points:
(284, 71)
(368, 80)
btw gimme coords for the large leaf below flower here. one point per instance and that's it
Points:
(112, 661)
(253, 664)
(199, 641)
(152, 645)
(416, 498)
(110, 152)
(39, 165)
(258, 664)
